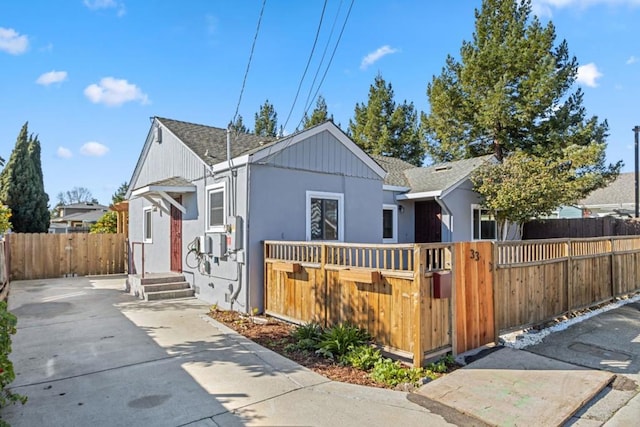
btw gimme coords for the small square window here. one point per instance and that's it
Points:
(324, 216)
(484, 224)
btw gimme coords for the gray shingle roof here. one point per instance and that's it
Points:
(442, 176)
(618, 192)
(395, 169)
(174, 181)
(212, 141)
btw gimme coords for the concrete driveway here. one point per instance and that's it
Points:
(88, 354)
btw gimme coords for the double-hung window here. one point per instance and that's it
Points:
(390, 224)
(216, 207)
(484, 224)
(147, 224)
(325, 216)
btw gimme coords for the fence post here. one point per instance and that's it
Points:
(612, 272)
(323, 273)
(418, 300)
(569, 276)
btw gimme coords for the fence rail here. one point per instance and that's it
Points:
(40, 256)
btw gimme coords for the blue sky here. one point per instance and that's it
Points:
(88, 74)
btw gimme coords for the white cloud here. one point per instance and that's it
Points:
(632, 60)
(371, 58)
(106, 4)
(52, 77)
(94, 149)
(64, 153)
(114, 92)
(588, 74)
(544, 7)
(12, 42)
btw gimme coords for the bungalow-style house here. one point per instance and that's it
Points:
(76, 217)
(202, 201)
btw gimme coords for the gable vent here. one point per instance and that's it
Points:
(158, 135)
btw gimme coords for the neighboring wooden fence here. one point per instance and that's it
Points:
(40, 256)
(536, 281)
(562, 228)
(4, 272)
(386, 289)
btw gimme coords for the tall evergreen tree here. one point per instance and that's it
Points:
(238, 125)
(510, 94)
(384, 128)
(266, 120)
(118, 196)
(41, 214)
(509, 90)
(21, 186)
(319, 114)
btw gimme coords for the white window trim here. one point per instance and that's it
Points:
(394, 209)
(144, 224)
(324, 195)
(473, 208)
(209, 189)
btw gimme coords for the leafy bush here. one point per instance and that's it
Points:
(306, 337)
(392, 373)
(362, 357)
(442, 365)
(339, 339)
(7, 328)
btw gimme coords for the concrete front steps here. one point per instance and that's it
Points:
(160, 286)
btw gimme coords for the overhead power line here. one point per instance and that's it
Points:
(335, 48)
(306, 68)
(246, 73)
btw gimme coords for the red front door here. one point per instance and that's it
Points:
(176, 237)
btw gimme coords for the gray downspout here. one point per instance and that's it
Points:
(445, 208)
(245, 236)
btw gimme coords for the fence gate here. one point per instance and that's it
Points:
(473, 295)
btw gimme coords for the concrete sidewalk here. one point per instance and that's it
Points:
(86, 353)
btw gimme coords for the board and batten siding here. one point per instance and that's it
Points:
(166, 159)
(322, 153)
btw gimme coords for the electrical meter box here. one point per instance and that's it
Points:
(218, 244)
(234, 235)
(204, 245)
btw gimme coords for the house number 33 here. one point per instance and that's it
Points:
(475, 255)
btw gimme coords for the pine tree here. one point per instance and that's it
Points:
(319, 114)
(510, 94)
(381, 127)
(41, 214)
(266, 120)
(238, 126)
(118, 196)
(21, 186)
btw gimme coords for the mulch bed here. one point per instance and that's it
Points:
(275, 335)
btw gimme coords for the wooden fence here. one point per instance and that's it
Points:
(536, 281)
(40, 256)
(563, 228)
(396, 292)
(4, 272)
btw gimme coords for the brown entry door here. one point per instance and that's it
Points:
(428, 222)
(176, 238)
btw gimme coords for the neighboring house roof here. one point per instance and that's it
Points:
(87, 206)
(210, 143)
(91, 216)
(617, 193)
(395, 168)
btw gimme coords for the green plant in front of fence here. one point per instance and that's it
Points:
(387, 371)
(339, 339)
(443, 365)
(7, 328)
(363, 357)
(306, 337)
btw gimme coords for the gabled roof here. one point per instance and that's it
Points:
(443, 176)
(618, 192)
(210, 143)
(87, 206)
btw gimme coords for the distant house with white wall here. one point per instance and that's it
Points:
(76, 217)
